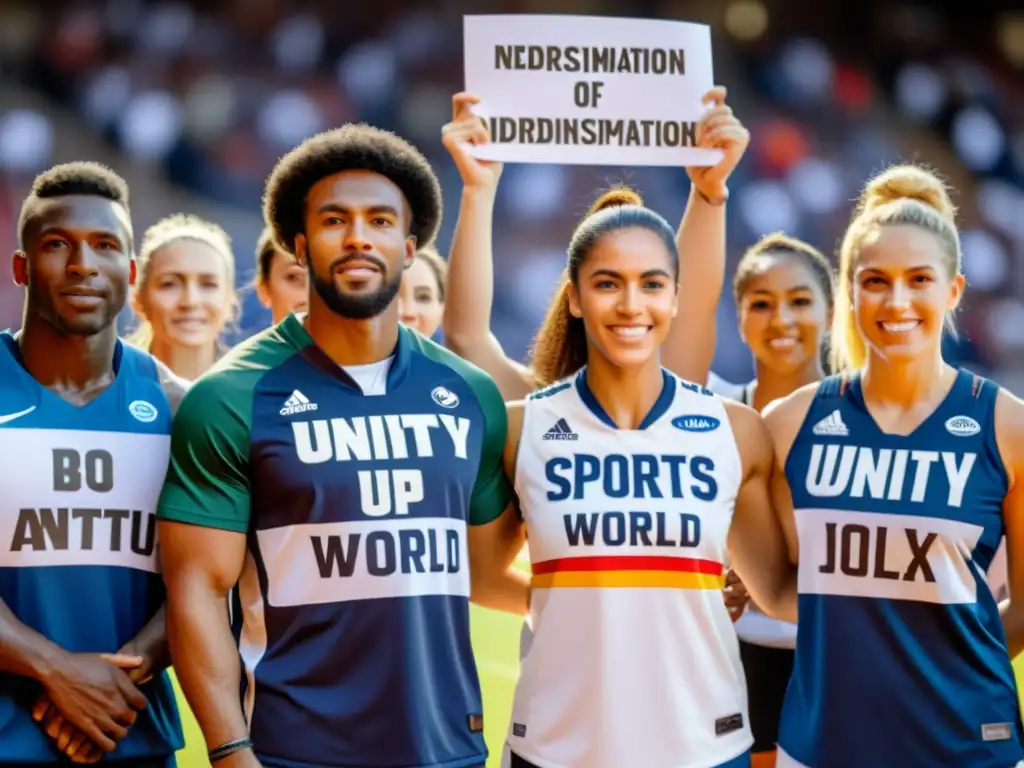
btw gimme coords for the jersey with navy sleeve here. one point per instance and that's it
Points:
(78, 553)
(354, 597)
(901, 659)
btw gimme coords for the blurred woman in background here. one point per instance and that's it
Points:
(784, 291)
(281, 282)
(185, 293)
(421, 297)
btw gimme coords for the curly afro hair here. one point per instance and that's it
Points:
(351, 147)
(82, 178)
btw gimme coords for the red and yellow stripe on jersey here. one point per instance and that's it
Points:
(628, 571)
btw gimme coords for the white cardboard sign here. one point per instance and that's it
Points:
(589, 90)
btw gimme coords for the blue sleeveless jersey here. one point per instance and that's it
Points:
(901, 658)
(78, 559)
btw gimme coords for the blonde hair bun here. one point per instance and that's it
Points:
(908, 182)
(616, 197)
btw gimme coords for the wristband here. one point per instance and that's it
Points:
(717, 201)
(229, 748)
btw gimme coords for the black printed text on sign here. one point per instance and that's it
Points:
(587, 90)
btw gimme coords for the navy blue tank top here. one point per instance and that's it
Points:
(901, 658)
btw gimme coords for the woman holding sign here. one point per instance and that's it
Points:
(633, 486)
(700, 242)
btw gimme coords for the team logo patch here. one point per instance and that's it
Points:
(696, 423)
(445, 397)
(143, 411)
(996, 732)
(962, 426)
(724, 725)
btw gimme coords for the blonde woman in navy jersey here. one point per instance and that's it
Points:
(896, 480)
(783, 291)
(633, 486)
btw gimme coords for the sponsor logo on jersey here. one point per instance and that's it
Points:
(444, 397)
(560, 431)
(143, 411)
(696, 423)
(297, 403)
(831, 425)
(888, 474)
(12, 416)
(962, 426)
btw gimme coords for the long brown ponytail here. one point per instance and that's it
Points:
(561, 346)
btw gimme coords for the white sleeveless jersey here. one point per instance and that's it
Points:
(634, 660)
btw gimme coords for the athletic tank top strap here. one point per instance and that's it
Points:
(134, 362)
(836, 386)
(747, 396)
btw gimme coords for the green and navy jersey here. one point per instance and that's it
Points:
(354, 596)
(78, 553)
(901, 658)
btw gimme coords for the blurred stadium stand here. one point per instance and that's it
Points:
(194, 101)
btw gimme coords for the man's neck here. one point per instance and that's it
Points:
(187, 362)
(353, 342)
(78, 368)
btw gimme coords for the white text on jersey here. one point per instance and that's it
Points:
(885, 473)
(372, 438)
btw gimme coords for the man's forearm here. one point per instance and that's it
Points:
(23, 651)
(206, 662)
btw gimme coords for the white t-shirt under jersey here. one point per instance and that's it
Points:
(634, 661)
(754, 626)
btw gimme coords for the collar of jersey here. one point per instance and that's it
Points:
(661, 405)
(7, 338)
(294, 333)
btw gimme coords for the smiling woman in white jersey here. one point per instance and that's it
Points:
(700, 241)
(783, 290)
(900, 476)
(627, 478)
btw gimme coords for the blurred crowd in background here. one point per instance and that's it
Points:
(193, 102)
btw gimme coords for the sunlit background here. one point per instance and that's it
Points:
(194, 101)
